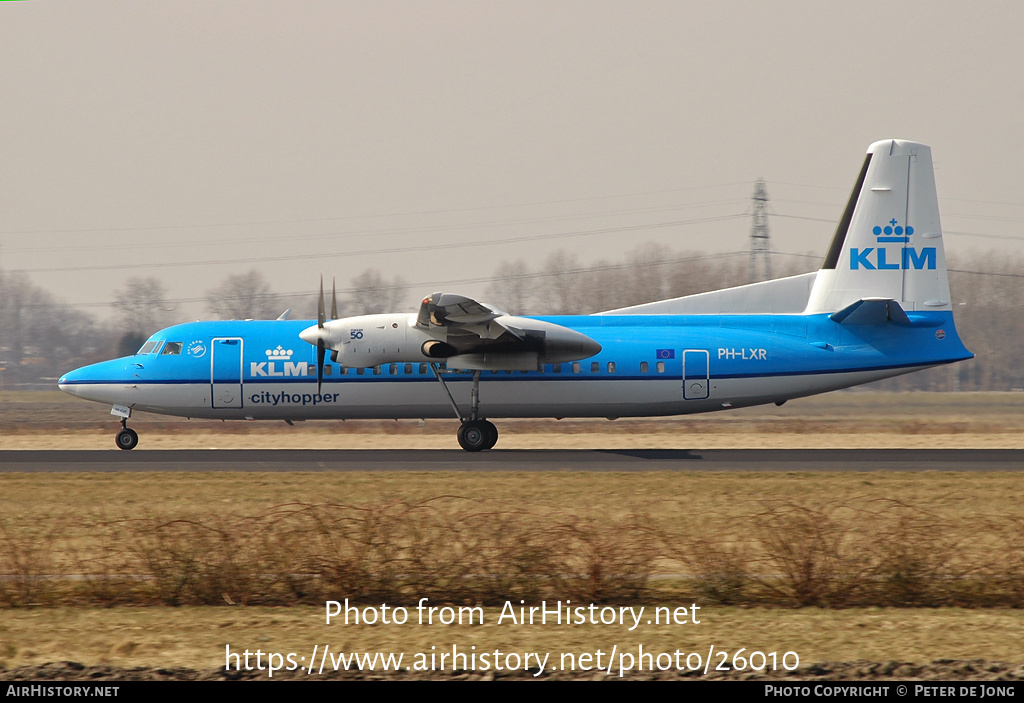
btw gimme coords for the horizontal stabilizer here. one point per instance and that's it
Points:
(871, 311)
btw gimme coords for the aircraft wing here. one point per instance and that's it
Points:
(478, 335)
(464, 317)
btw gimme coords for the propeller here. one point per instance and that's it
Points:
(321, 318)
(320, 348)
(334, 299)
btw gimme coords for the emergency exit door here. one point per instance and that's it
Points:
(696, 376)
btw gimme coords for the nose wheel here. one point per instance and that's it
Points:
(127, 438)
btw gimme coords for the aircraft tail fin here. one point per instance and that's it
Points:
(888, 244)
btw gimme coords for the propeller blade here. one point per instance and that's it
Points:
(334, 299)
(320, 314)
(319, 364)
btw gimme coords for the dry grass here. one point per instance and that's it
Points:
(195, 637)
(849, 551)
(445, 549)
(704, 538)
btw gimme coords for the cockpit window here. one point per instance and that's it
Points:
(149, 347)
(171, 348)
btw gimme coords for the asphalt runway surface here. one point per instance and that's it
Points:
(737, 460)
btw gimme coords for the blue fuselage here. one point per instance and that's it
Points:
(649, 365)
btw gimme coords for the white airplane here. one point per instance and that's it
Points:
(879, 306)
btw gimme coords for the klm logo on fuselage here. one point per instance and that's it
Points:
(887, 259)
(279, 364)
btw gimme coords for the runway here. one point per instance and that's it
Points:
(738, 460)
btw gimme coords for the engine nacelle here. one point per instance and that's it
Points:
(553, 344)
(371, 340)
(436, 349)
(500, 343)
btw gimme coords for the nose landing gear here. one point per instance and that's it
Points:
(127, 438)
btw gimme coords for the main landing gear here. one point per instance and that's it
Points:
(127, 438)
(476, 433)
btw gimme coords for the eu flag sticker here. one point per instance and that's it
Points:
(666, 353)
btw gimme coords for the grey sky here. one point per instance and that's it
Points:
(389, 134)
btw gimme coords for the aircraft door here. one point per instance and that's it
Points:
(226, 373)
(696, 377)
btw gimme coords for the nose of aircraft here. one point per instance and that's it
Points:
(67, 382)
(94, 382)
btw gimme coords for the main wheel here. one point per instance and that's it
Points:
(127, 438)
(473, 435)
(492, 434)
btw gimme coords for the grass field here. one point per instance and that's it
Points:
(846, 544)
(196, 637)
(961, 518)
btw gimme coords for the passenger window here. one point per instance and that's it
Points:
(327, 370)
(595, 367)
(611, 367)
(423, 368)
(643, 367)
(344, 371)
(661, 367)
(575, 367)
(310, 369)
(408, 369)
(376, 370)
(393, 369)
(360, 371)
(557, 368)
(172, 348)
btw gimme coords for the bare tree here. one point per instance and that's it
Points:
(511, 289)
(24, 308)
(244, 296)
(142, 304)
(372, 294)
(647, 273)
(559, 286)
(40, 339)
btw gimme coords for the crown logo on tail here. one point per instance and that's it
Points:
(893, 232)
